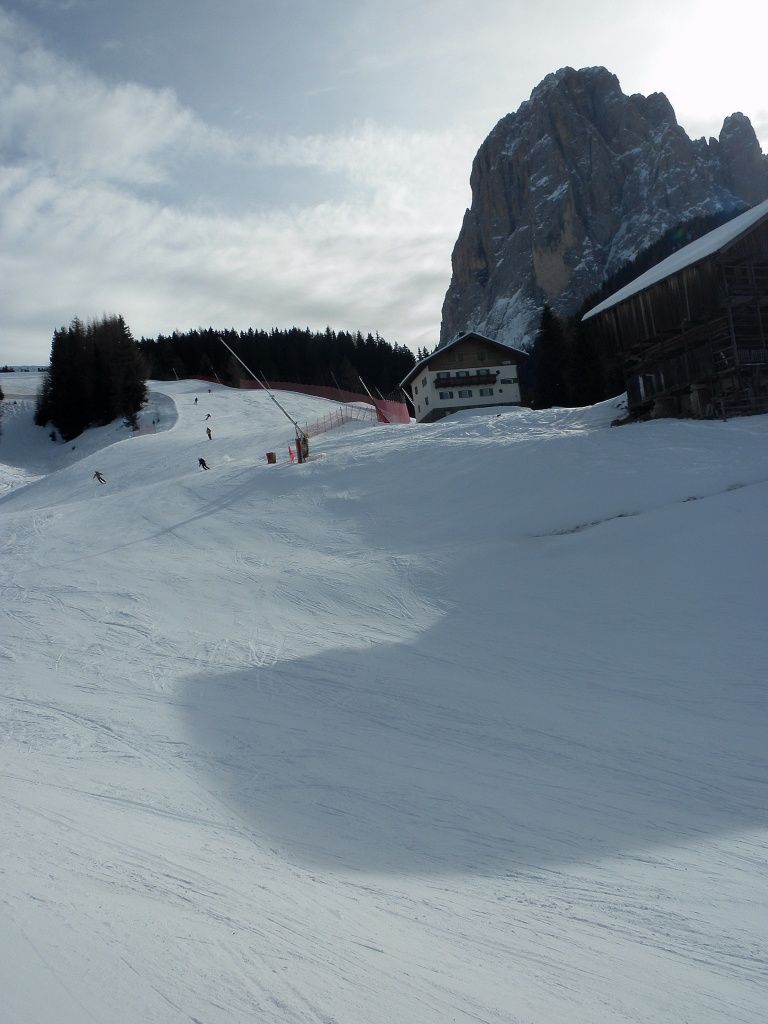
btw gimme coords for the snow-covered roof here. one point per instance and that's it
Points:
(446, 348)
(694, 252)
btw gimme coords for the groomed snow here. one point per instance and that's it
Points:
(457, 722)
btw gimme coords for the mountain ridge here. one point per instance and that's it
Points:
(572, 186)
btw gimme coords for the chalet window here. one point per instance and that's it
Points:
(426, 401)
(443, 373)
(462, 373)
(423, 382)
(416, 390)
(506, 362)
(446, 394)
(465, 394)
(508, 380)
(484, 373)
(486, 391)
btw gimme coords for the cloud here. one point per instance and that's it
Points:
(117, 197)
(82, 232)
(83, 251)
(56, 114)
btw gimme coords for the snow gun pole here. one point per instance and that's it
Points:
(333, 375)
(299, 431)
(366, 388)
(214, 372)
(379, 413)
(408, 397)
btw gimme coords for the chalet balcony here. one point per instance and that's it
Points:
(753, 356)
(745, 356)
(474, 380)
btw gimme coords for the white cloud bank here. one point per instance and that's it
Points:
(81, 233)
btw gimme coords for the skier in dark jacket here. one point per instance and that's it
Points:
(97, 476)
(208, 432)
(203, 464)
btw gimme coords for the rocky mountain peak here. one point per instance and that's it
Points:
(745, 169)
(572, 185)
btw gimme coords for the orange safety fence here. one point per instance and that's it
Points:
(345, 414)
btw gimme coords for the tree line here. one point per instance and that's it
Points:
(567, 366)
(298, 355)
(96, 374)
(98, 371)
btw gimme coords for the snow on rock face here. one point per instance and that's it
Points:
(687, 256)
(283, 744)
(573, 185)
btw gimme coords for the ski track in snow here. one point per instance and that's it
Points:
(461, 722)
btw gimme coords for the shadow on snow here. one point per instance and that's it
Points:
(423, 758)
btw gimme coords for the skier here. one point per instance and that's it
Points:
(208, 432)
(291, 454)
(195, 400)
(203, 464)
(97, 476)
(208, 416)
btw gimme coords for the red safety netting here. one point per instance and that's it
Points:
(387, 410)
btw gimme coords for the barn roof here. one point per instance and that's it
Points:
(470, 335)
(694, 252)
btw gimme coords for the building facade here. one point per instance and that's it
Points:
(472, 372)
(691, 333)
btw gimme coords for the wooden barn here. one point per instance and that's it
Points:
(692, 332)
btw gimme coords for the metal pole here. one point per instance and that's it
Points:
(333, 375)
(299, 431)
(366, 388)
(213, 371)
(408, 397)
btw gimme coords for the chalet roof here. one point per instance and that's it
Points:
(468, 336)
(714, 241)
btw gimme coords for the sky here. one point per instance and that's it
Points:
(303, 162)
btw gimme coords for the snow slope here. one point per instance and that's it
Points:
(456, 722)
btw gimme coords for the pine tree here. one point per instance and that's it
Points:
(585, 376)
(64, 398)
(96, 374)
(549, 359)
(297, 354)
(127, 370)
